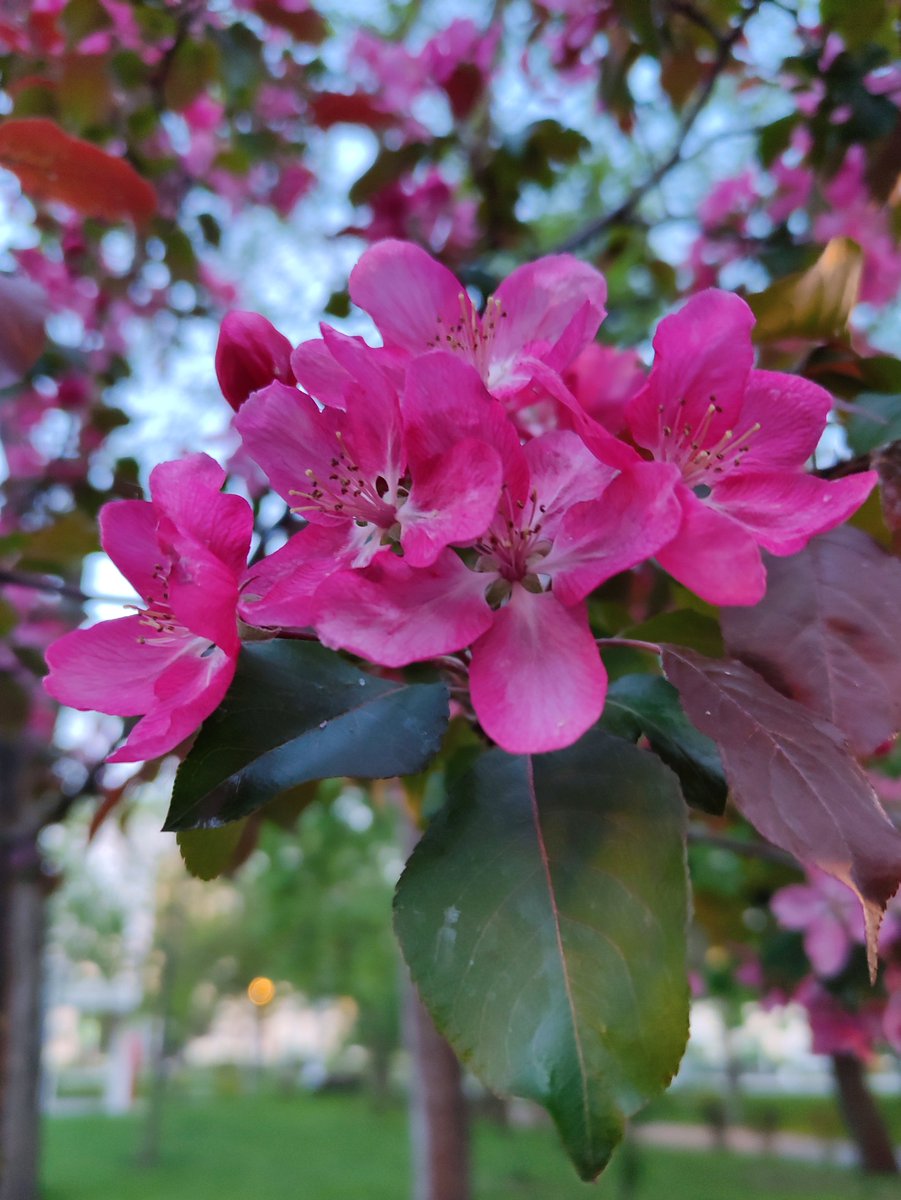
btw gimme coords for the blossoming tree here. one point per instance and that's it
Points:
(569, 601)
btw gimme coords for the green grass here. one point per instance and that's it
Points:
(330, 1148)
(816, 1115)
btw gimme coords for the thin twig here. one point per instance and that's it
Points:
(632, 643)
(699, 836)
(623, 211)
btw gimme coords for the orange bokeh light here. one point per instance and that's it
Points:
(261, 991)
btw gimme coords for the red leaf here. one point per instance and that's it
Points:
(296, 16)
(51, 165)
(826, 634)
(791, 775)
(887, 462)
(354, 108)
(22, 310)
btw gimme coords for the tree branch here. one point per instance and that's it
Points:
(622, 212)
(699, 836)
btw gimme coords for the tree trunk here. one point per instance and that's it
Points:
(862, 1117)
(439, 1119)
(23, 893)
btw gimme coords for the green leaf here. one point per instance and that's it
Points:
(876, 421)
(297, 712)
(775, 138)
(685, 627)
(543, 919)
(815, 303)
(193, 68)
(208, 852)
(61, 546)
(861, 23)
(647, 704)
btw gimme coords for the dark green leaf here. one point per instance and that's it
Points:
(297, 712)
(775, 138)
(647, 704)
(543, 919)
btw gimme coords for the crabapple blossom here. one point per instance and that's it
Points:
(740, 438)
(184, 552)
(249, 354)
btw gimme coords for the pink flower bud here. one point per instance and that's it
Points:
(251, 354)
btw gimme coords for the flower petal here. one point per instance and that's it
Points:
(536, 678)
(452, 500)
(394, 614)
(563, 472)
(543, 304)
(414, 301)
(714, 556)
(791, 413)
(286, 434)
(185, 695)
(637, 514)
(128, 531)
(279, 590)
(445, 401)
(703, 354)
(783, 510)
(111, 667)
(187, 492)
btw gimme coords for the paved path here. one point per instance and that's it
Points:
(802, 1147)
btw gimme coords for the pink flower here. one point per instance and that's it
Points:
(294, 182)
(540, 317)
(387, 466)
(828, 915)
(184, 551)
(852, 213)
(740, 438)
(730, 200)
(565, 523)
(460, 58)
(603, 381)
(250, 354)
(426, 211)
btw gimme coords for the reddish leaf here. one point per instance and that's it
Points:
(354, 108)
(296, 16)
(51, 165)
(22, 310)
(826, 634)
(887, 462)
(791, 775)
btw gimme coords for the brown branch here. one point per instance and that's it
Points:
(726, 43)
(51, 584)
(699, 836)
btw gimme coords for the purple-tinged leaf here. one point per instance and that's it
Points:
(791, 775)
(887, 462)
(826, 634)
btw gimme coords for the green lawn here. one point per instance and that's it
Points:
(817, 1115)
(329, 1148)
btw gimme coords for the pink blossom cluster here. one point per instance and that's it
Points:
(842, 207)
(831, 921)
(464, 487)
